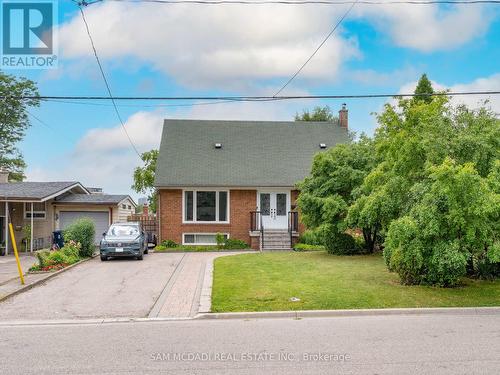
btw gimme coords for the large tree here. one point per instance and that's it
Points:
(14, 121)
(144, 177)
(328, 192)
(432, 154)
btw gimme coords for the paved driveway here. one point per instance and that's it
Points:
(162, 285)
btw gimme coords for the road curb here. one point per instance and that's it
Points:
(49, 276)
(299, 314)
(467, 311)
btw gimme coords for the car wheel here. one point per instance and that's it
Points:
(104, 258)
(146, 250)
(140, 257)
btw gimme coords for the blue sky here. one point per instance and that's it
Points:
(153, 49)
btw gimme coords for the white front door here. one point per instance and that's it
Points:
(274, 207)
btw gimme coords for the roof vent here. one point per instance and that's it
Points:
(322, 145)
(218, 145)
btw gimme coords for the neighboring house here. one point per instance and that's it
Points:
(48, 206)
(237, 178)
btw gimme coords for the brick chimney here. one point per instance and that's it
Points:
(344, 117)
(4, 176)
(145, 210)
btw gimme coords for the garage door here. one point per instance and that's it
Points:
(100, 219)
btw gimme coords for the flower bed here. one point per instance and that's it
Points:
(54, 260)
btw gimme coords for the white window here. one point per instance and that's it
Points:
(201, 238)
(39, 210)
(206, 206)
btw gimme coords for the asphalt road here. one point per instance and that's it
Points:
(428, 344)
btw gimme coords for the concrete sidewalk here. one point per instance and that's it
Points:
(8, 266)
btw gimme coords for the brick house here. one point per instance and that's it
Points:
(237, 178)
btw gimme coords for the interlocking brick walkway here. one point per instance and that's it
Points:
(190, 283)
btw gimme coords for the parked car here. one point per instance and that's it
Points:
(122, 240)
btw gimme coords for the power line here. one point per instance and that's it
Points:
(301, 2)
(317, 49)
(246, 98)
(40, 121)
(106, 81)
(140, 105)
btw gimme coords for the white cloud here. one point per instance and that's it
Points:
(231, 46)
(428, 28)
(491, 83)
(212, 46)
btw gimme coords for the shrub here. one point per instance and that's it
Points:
(58, 257)
(487, 269)
(169, 244)
(308, 247)
(219, 238)
(72, 251)
(340, 243)
(235, 244)
(403, 252)
(43, 258)
(311, 237)
(82, 231)
(446, 265)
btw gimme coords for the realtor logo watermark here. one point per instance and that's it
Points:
(29, 40)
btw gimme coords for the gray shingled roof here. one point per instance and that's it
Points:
(92, 199)
(253, 154)
(33, 190)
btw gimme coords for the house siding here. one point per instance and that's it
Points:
(121, 214)
(241, 202)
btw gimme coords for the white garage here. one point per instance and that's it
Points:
(101, 220)
(102, 209)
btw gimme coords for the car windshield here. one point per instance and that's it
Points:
(123, 230)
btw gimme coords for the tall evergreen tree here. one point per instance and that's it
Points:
(424, 89)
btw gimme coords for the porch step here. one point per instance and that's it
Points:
(276, 240)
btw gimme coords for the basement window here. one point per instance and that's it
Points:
(201, 238)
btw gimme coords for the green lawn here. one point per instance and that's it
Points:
(260, 282)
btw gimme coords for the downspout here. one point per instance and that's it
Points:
(31, 229)
(158, 216)
(6, 228)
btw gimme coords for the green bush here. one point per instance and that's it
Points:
(58, 257)
(219, 238)
(311, 237)
(446, 265)
(169, 244)
(403, 252)
(340, 243)
(71, 250)
(82, 231)
(487, 270)
(308, 247)
(43, 258)
(235, 244)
